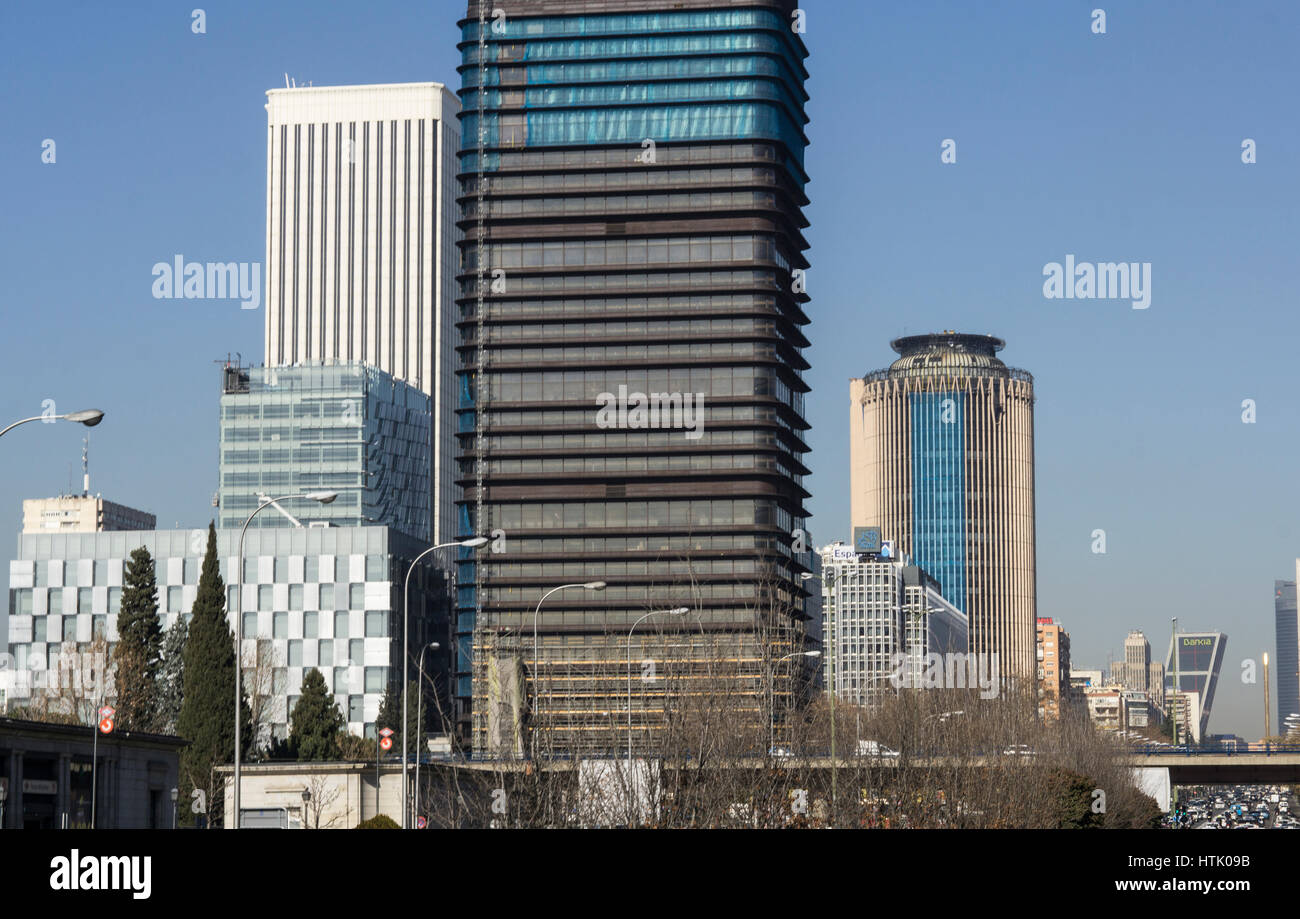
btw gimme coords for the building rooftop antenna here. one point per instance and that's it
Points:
(85, 466)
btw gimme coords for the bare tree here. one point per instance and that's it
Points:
(259, 667)
(323, 793)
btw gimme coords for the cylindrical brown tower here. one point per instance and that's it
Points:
(943, 462)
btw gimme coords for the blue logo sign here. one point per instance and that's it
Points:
(866, 539)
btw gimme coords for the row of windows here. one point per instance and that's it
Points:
(614, 593)
(624, 204)
(625, 47)
(64, 628)
(629, 328)
(684, 513)
(503, 164)
(304, 480)
(377, 623)
(98, 572)
(301, 454)
(724, 89)
(593, 465)
(621, 440)
(588, 385)
(320, 569)
(330, 597)
(713, 414)
(626, 71)
(554, 26)
(555, 354)
(601, 252)
(592, 570)
(291, 407)
(666, 124)
(373, 680)
(237, 433)
(634, 280)
(345, 505)
(315, 569)
(658, 179)
(604, 307)
(618, 545)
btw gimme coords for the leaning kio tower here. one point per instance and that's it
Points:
(942, 450)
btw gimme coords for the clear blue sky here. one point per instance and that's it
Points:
(1124, 146)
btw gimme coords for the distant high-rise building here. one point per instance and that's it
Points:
(631, 368)
(1136, 672)
(1287, 662)
(361, 242)
(942, 460)
(1200, 656)
(1137, 651)
(348, 428)
(1053, 654)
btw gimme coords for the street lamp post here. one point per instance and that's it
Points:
(306, 799)
(771, 693)
(473, 542)
(537, 664)
(675, 611)
(323, 497)
(419, 698)
(175, 794)
(89, 417)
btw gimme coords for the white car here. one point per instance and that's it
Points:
(872, 748)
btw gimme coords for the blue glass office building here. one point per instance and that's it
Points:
(345, 427)
(632, 185)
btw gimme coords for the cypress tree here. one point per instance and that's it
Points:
(209, 690)
(138, 654)
(171, 687)
(316, 721)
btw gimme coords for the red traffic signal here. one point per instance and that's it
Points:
(106, 713)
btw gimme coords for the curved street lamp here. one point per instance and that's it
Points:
(89, 417)
(322, 497)
(675, 611)
(474, 542)
(771, 691)
(419, 683)
(537, 663)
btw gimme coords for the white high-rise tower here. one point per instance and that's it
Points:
(361, 242)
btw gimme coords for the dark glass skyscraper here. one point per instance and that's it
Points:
(631, 392)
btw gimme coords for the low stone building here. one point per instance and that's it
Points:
(46, 777)
(338, 795)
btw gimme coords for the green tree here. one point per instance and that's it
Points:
(209, 689)
(316, 721)
(138, 654)
(171, 677)
(1072, 799)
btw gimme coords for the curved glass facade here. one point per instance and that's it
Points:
(942, 460)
